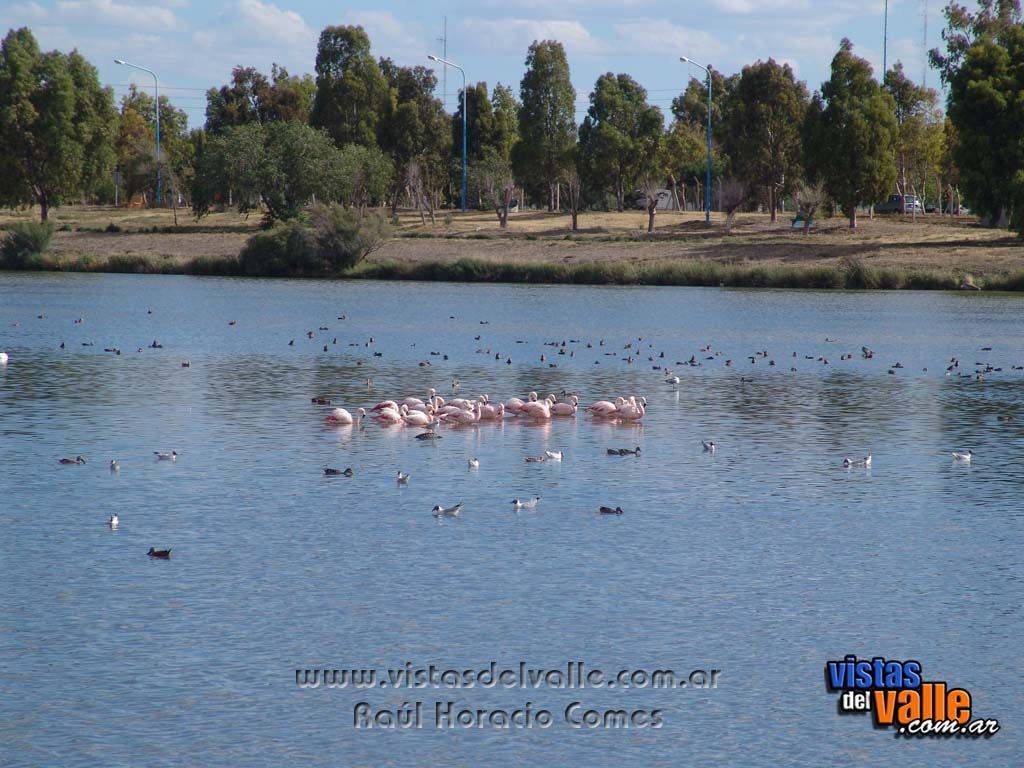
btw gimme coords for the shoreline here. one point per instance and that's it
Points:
(883, 253)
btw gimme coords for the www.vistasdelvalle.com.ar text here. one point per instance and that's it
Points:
(573, 675)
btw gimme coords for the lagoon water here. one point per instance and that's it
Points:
(763, 560)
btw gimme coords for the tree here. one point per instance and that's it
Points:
(253, 97)
(136, 144)
(547, 118)
(280, 166)
(363, 176)
(413, 130)
(479, 123)
(762, 130)
(350, 88)
(917, 146)
(56, 125)
(984, 69)
(493, 182)
(620, 137)
(505, 112)
(850, 134)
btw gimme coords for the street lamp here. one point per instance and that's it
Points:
(156, 93)
(450, 64)
(707, 180)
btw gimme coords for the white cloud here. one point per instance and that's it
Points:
(387, 33)
(253, 23)
(110, 13)
(516, 35)
(660, 37)
(28, 13)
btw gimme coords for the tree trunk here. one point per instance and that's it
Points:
(771, 201)
(652, 211)
(575, 215)
(44, 208)
(620, 196)
(853, 217)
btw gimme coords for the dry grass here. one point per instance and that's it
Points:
(930, 243)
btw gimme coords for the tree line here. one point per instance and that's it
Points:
(365, 132)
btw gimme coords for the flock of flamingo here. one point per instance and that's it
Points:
(435, 410)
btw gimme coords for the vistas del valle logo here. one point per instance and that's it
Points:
(897, 696)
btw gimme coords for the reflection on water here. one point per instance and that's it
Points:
(763, 559)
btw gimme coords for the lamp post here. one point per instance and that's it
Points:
(450, 64)
(156, 93)
(707, 179)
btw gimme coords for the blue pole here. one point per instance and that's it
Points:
(707, 180)
(463, 141)
(156, 90)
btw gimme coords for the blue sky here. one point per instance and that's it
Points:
(193, 45)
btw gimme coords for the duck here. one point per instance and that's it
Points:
(402, 478)
(709, 446)
(331, 472)
(964, 457)
(627, 452)
(113, 521)
(553, 455)
(440, 511)
(525, 503)
(474, 463)
(163, 554)
(430, 435)
(320, 400)
(172, 456)
(535, 459)
(76, 460)
(610, 510)
(114, 465)
(865, 462)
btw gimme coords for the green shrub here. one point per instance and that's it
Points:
(344, 236)
(24, 240)
(286, 249)
(112, 227)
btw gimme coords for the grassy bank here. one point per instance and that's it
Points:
(610, 249)
(847, 274)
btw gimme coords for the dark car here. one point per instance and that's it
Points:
(900, 204)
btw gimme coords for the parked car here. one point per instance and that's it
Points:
(900, 204)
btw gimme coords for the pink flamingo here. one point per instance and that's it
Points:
(604, 407)
(416, 418)
(565, 409)
(389, 416)
(514, 405)
(633, 410)
(341, 416)
(492, 412)
(467, 417)
(385, 404)
(537, 409)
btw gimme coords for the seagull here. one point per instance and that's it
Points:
(553, 455)
(525, 504)
(432, 425)
(114, 466)
(610, 510)
(403, 478)
(76, 460)
(709, 446)
(330, 472)
(964, 457)
(163, 554)
(474, 463)
(865, 462)
(440, 511)
(113, 521)
(672, 380)
(172, 456)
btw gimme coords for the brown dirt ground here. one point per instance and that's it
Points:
(930, 242)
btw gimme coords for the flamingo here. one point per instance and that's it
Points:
(492, 412)
(515, 405)
(565, 409)
(466, 417)
(603, 408)
(389, 416)
(385, 404)
(537, 409)
(416, 418)
(631, 411)
(341, 416)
